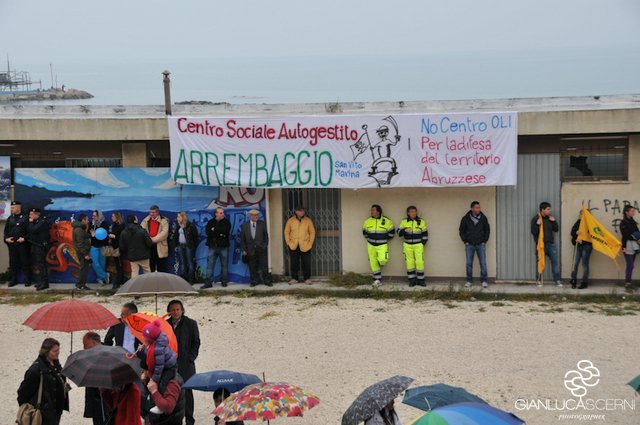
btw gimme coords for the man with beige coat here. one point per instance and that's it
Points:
(299, 235)
(158, 228)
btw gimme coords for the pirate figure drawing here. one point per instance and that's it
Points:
(384, 167)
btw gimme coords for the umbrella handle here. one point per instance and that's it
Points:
(129, 356)
(428, 404)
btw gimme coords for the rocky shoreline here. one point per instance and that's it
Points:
(56, 94)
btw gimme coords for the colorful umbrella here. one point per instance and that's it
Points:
(430, 397)
(70, 316)
(228, 379)
(635, 384)
(374, 398)
(137, 321)
(467, 414)
(156, 283)
(266, 401)
(102, 367)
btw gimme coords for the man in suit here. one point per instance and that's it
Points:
(255, 245)
(188, 337)
(121, 333)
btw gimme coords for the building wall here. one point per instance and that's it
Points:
(4, 252)
(441, 208)
(607, 201)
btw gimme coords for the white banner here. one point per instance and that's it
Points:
(342, 151)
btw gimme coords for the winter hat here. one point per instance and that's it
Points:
(152, 330)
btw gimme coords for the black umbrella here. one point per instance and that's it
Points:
(102, 367)
(374, 399)
(156, 283)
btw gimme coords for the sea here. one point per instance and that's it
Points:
(348, 78)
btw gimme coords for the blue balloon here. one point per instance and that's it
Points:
(101, 234)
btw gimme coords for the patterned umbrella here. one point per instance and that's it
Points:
(430, 397)
(467, 414)
(374, 398)
(266, 401)
(102, 367)
(70, 316)
(156, 283)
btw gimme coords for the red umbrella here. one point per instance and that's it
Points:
(70, 316)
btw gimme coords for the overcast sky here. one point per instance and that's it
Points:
(45, 30)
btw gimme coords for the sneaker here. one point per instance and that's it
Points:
(558, 284)
(107, 279)
(377, 283)
(468, 285)
(539, 284)
(101, 282)
(485, 285)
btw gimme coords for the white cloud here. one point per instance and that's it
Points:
(155, 171)
(102, 176)
(168, 184)
(40, 175)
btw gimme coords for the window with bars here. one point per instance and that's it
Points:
(594, 158)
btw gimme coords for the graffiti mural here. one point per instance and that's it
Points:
(65, 193)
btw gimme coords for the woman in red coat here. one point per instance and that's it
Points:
(126, 402)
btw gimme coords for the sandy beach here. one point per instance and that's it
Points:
(501, 351)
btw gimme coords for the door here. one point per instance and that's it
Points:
(323, 207)
(538, 181)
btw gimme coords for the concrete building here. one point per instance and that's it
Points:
(571, 151)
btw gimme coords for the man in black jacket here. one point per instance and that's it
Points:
(15, 236)
(38, 238)
(135, 246)
(474, 231)
(218, 229)
(549, 225)
(583, 252)
(121, 333)
(188, 337)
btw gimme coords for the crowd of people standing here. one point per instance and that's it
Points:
(145, 246)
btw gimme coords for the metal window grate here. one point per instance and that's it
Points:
(93, 162)
(594, 159)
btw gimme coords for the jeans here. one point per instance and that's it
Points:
(185, 262)
(212, 257)
(296, 256)
(583, 252)
(551, 251)
(630, 259)
(481, 251)
(99, 263)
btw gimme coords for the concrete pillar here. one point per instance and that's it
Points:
(134, 155)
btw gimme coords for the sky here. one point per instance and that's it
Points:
(127, 33)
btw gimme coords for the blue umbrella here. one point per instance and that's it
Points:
(468, 414)
(430, 397)
(211, 381)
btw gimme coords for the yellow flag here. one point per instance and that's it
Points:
(592, 231)
(541, 246)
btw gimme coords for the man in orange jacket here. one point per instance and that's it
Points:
(299, 235)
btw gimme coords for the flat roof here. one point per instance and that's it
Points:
(19, 110)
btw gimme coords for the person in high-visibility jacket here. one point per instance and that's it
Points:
(414, 231)
(378, 230)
